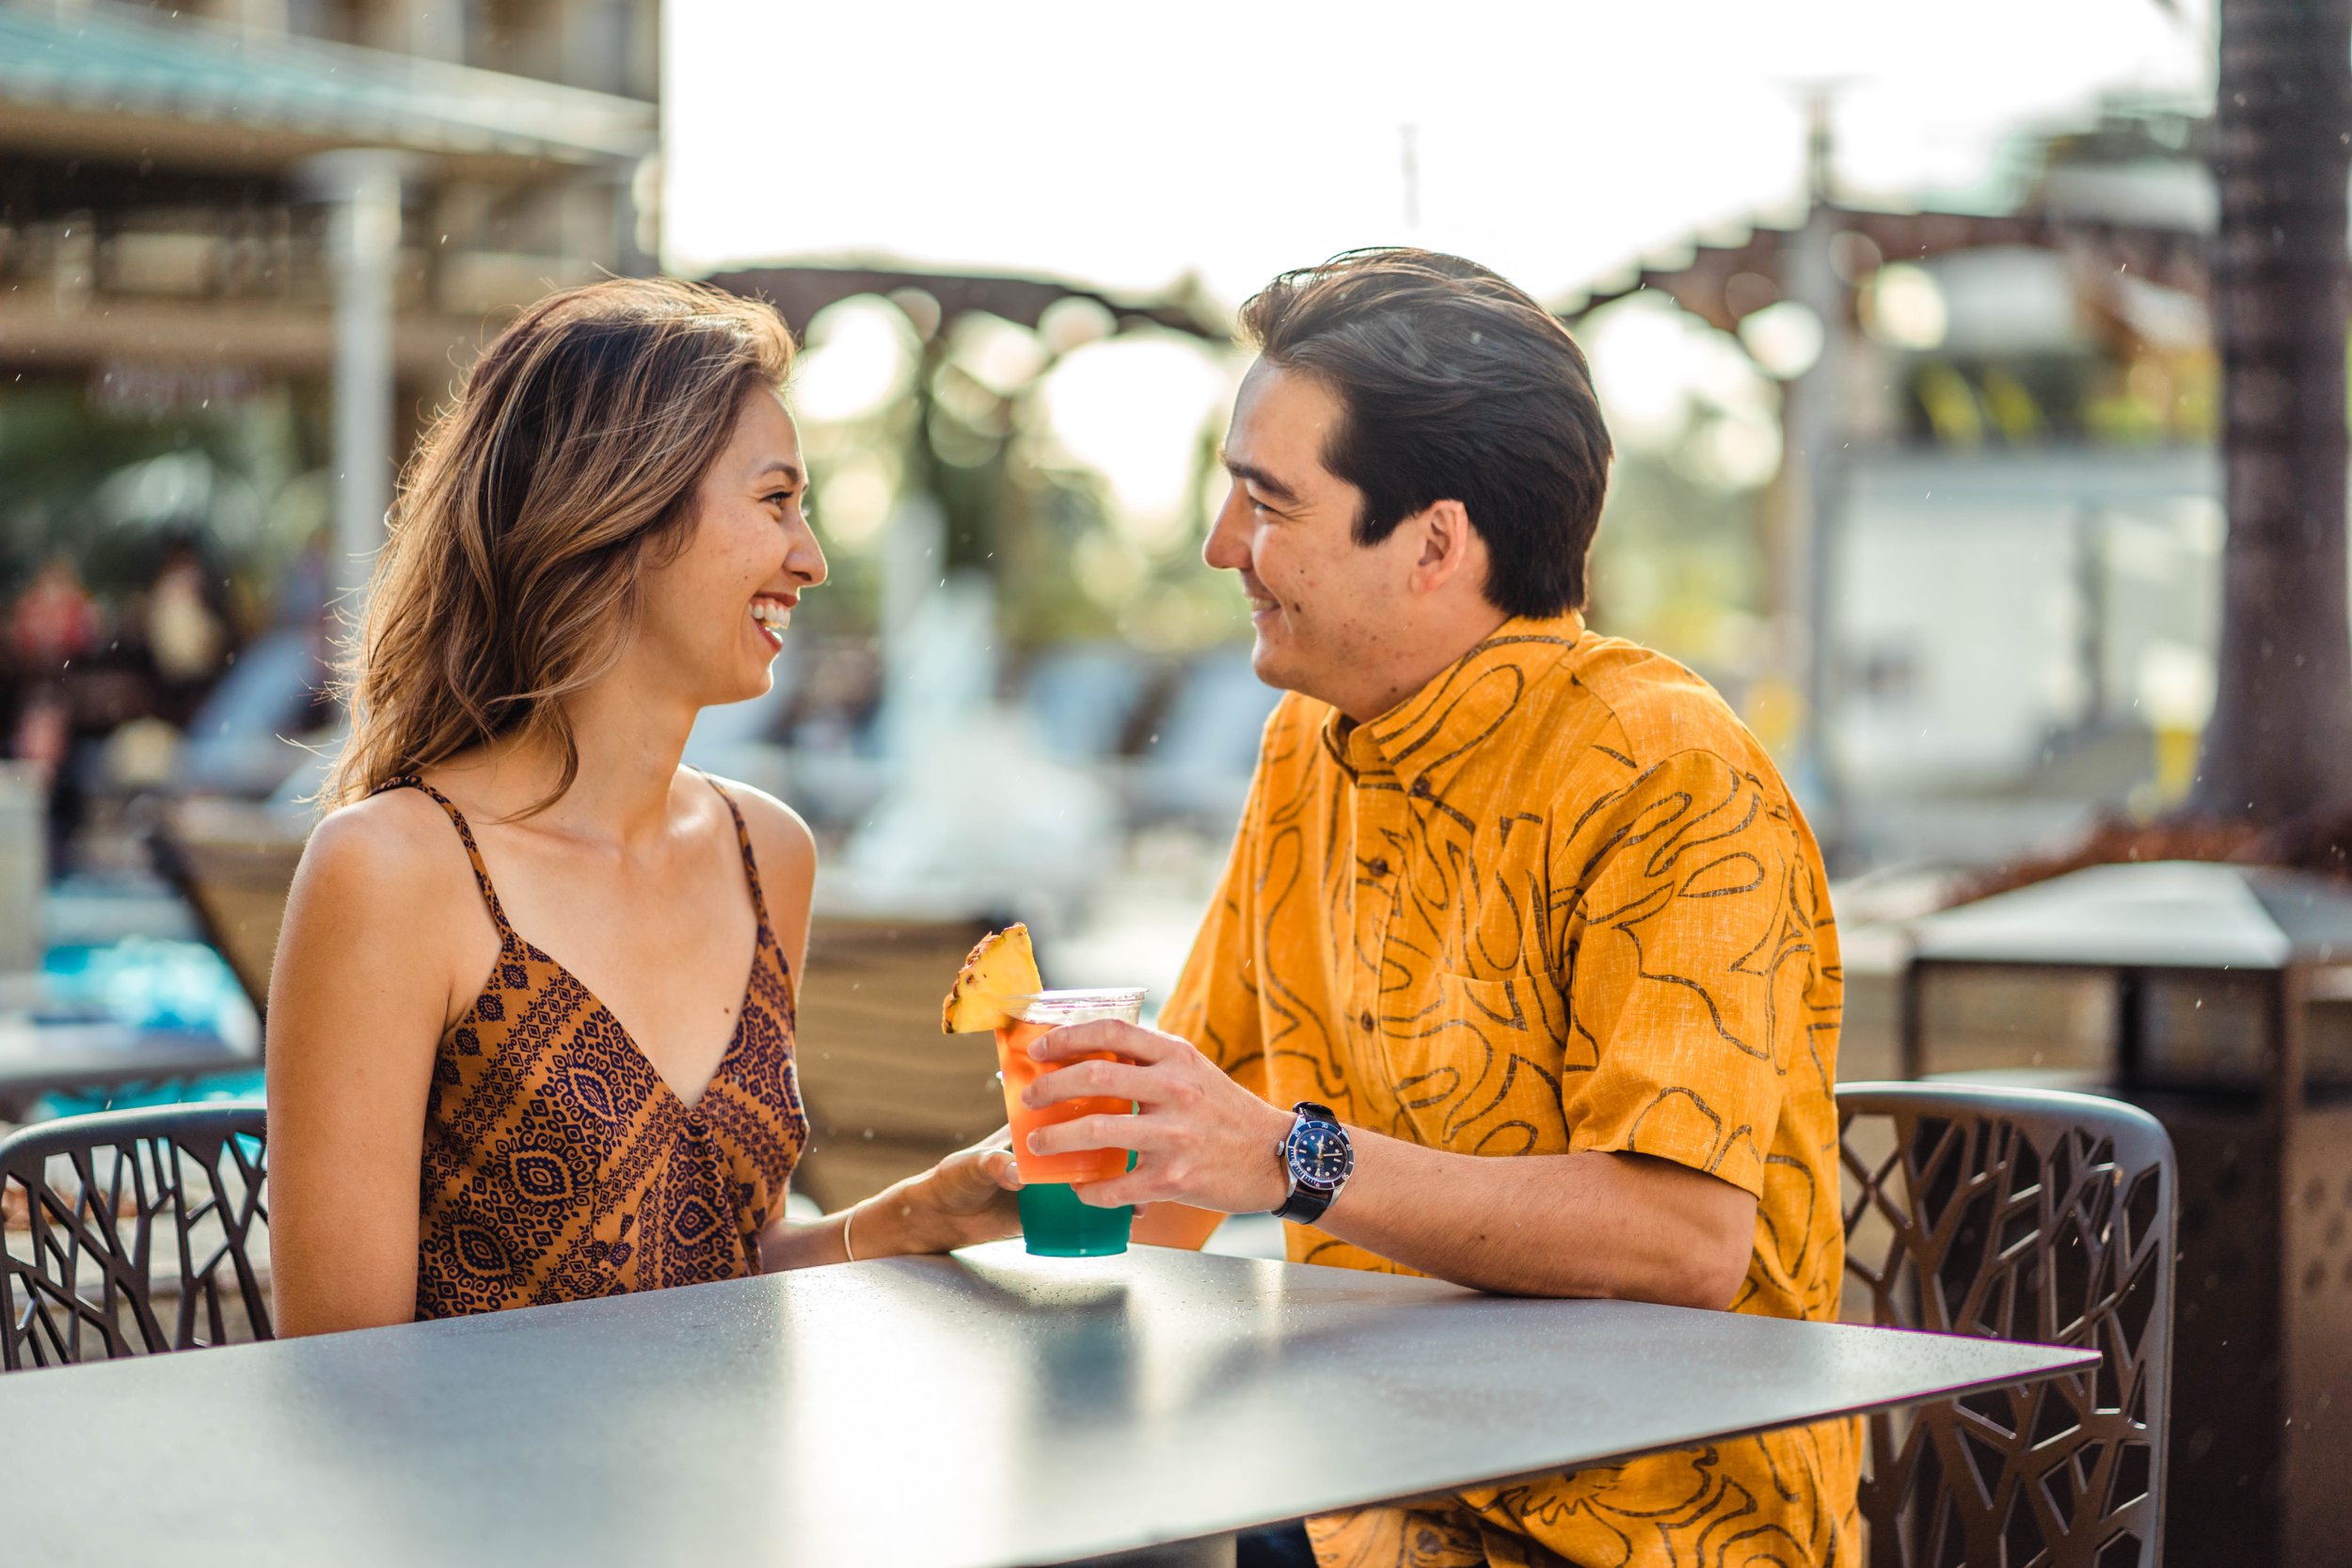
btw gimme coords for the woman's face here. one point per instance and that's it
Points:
(714, 617)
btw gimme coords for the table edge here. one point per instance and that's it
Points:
(2078, 1359)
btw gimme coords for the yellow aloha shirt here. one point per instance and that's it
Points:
(1556, 901)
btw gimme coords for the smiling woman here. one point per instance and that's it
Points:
(522, 535)
(602, 537)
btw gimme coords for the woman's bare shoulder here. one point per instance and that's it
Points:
(781, 841)
(376, 922)
(395, 853)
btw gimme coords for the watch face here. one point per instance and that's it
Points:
(1319, 1155)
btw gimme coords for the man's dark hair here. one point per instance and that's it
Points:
(1455, 386)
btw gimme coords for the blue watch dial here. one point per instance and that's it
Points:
(1319, 1155)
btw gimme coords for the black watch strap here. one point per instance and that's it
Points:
(1304, 1206)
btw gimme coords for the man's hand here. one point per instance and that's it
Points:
(1201, 1138)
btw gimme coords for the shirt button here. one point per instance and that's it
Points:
(1380, 867)
(1421, 789)
(1364, 1019)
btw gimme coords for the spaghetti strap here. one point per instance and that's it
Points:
(751, 864)
(473, 850)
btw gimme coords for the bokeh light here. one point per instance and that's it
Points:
(1652, 361)
(1131, 409)
(1783, 339)
(1903, 306)
(860, 359)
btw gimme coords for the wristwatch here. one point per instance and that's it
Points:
(1319, 1159)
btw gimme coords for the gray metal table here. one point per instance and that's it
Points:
(41, 1056)
(984, 1410)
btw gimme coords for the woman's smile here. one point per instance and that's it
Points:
(771, 613)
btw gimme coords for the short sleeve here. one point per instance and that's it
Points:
(1687, 980)
(1214, 1004)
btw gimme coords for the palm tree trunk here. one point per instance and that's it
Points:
(2280, 745)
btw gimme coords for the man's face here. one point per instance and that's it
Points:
(1325, 609)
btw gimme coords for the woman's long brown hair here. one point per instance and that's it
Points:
(571, 458)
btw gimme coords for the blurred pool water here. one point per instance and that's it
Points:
(151, 982)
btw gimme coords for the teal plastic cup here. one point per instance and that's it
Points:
(1057, 1223)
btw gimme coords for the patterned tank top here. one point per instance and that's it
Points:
(560, 1164)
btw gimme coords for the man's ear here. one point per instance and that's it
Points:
(1448, 543)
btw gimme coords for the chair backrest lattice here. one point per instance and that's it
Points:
(133, 1232)
(2030, 1215)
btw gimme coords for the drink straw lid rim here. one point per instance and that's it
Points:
(1030, 1005)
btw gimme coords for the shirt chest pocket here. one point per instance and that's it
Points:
(1474, 1065)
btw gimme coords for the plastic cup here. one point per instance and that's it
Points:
(1057, 1223)
(1054, 1222)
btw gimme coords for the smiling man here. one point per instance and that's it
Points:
(1522, 974)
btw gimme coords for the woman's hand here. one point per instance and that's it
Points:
(965, 1199)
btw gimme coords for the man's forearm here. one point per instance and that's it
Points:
(1562, 1225)
(1549, 1225)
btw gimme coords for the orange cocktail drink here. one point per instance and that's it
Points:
(1031, 1017)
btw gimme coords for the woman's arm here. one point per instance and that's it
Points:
(966, 1198)
(359, 996)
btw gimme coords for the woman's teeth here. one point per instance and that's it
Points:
(775, 617)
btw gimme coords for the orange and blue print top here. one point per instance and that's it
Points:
(559, 1165)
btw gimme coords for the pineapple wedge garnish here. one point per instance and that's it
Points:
(1002, 967)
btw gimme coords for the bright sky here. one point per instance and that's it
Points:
(1129, 145)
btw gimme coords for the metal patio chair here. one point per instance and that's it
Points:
(2026, 1214)
(131, 1232)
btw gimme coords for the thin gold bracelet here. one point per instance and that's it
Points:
(847, 1220)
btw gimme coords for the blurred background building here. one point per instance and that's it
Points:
(1979, 601)
(196, 207)
(1921, 474)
